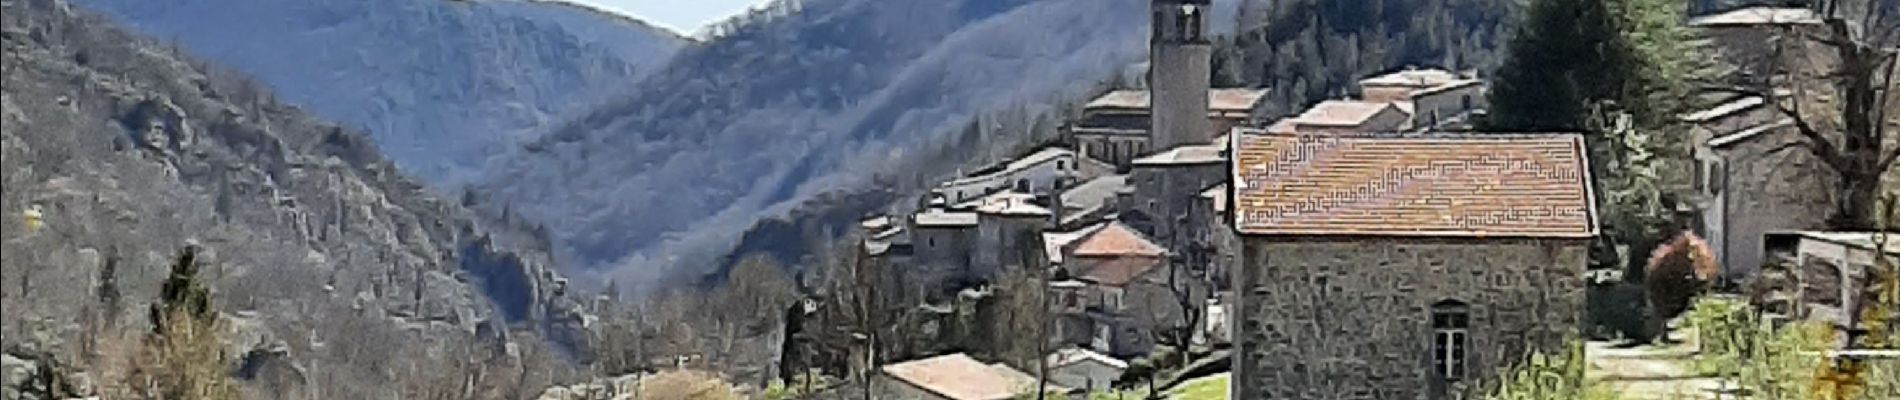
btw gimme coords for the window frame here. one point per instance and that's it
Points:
(1451, 340)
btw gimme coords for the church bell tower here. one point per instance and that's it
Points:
(1179, 55)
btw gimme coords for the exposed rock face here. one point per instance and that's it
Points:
(440, 85)
(312, 241)
(1338, 319)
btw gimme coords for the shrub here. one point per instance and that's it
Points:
(1677, 272)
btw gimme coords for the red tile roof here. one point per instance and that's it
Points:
(959, 377)
(1419, 185)
(1117, 239)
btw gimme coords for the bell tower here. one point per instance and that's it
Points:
(1179, 54)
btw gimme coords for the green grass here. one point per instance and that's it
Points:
(1209, 388)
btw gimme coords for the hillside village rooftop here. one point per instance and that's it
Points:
(959, 377)
(1218, 100)
(1333, 113)
(1495, 185)
(1184, 155)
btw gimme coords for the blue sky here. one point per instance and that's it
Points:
(683, 16)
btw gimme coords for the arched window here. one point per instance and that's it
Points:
(1451, 330)
(1189, 24)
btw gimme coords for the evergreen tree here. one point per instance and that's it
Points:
(183, 358)
(1562, 57)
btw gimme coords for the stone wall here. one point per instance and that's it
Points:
(1350, 318)
(1765, 191)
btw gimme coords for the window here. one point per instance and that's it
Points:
(1701, 177)
(1189, 24)
(1061, 165)
(931, 243)
(1451, 327)
(1022, 185)
(1718, 177)
(1467, 102)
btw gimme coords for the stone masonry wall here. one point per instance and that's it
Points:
(1342, 319)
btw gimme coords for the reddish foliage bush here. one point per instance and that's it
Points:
(1677, 272)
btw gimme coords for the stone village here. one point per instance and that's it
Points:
(1368, 247)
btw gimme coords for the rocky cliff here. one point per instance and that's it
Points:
(440, 85)
(320, 253)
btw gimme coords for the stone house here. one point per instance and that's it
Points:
(1008, 229)
(1165, 186)
(1747, 39)
(941, 242)
(1346, 116)
(1403, 266)
(1429, 98)
(1120, 293)
(1833, 272)
(1085, 370)
(956, 377)
(1042, 172)
(1743, 187)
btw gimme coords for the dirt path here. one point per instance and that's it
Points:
(1658, 372)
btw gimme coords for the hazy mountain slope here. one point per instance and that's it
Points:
(315, 245)
(767, 113)
(440, 85)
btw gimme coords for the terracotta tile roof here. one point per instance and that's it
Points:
(1413, 185)
(1218, 100)
(1117, 270)
(959, 377)
(1117, 239)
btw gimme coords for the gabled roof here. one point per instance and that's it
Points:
(1218, 100)
(959, 377)
(1184, 155)
(1054, 242)
(1117, 239)
(1727, 108)
(1750, 133)
(1118, 271)
(1759, 15)
(1481, 185)
(1072, 355)
(1047, 154)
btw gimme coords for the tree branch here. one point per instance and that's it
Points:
(1880, 114)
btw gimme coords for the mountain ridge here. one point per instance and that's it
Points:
(442, 86)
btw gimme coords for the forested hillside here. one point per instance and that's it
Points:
(778, 110)
(441, 85)
(330, 274)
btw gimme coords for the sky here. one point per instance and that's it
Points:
(683, 16)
